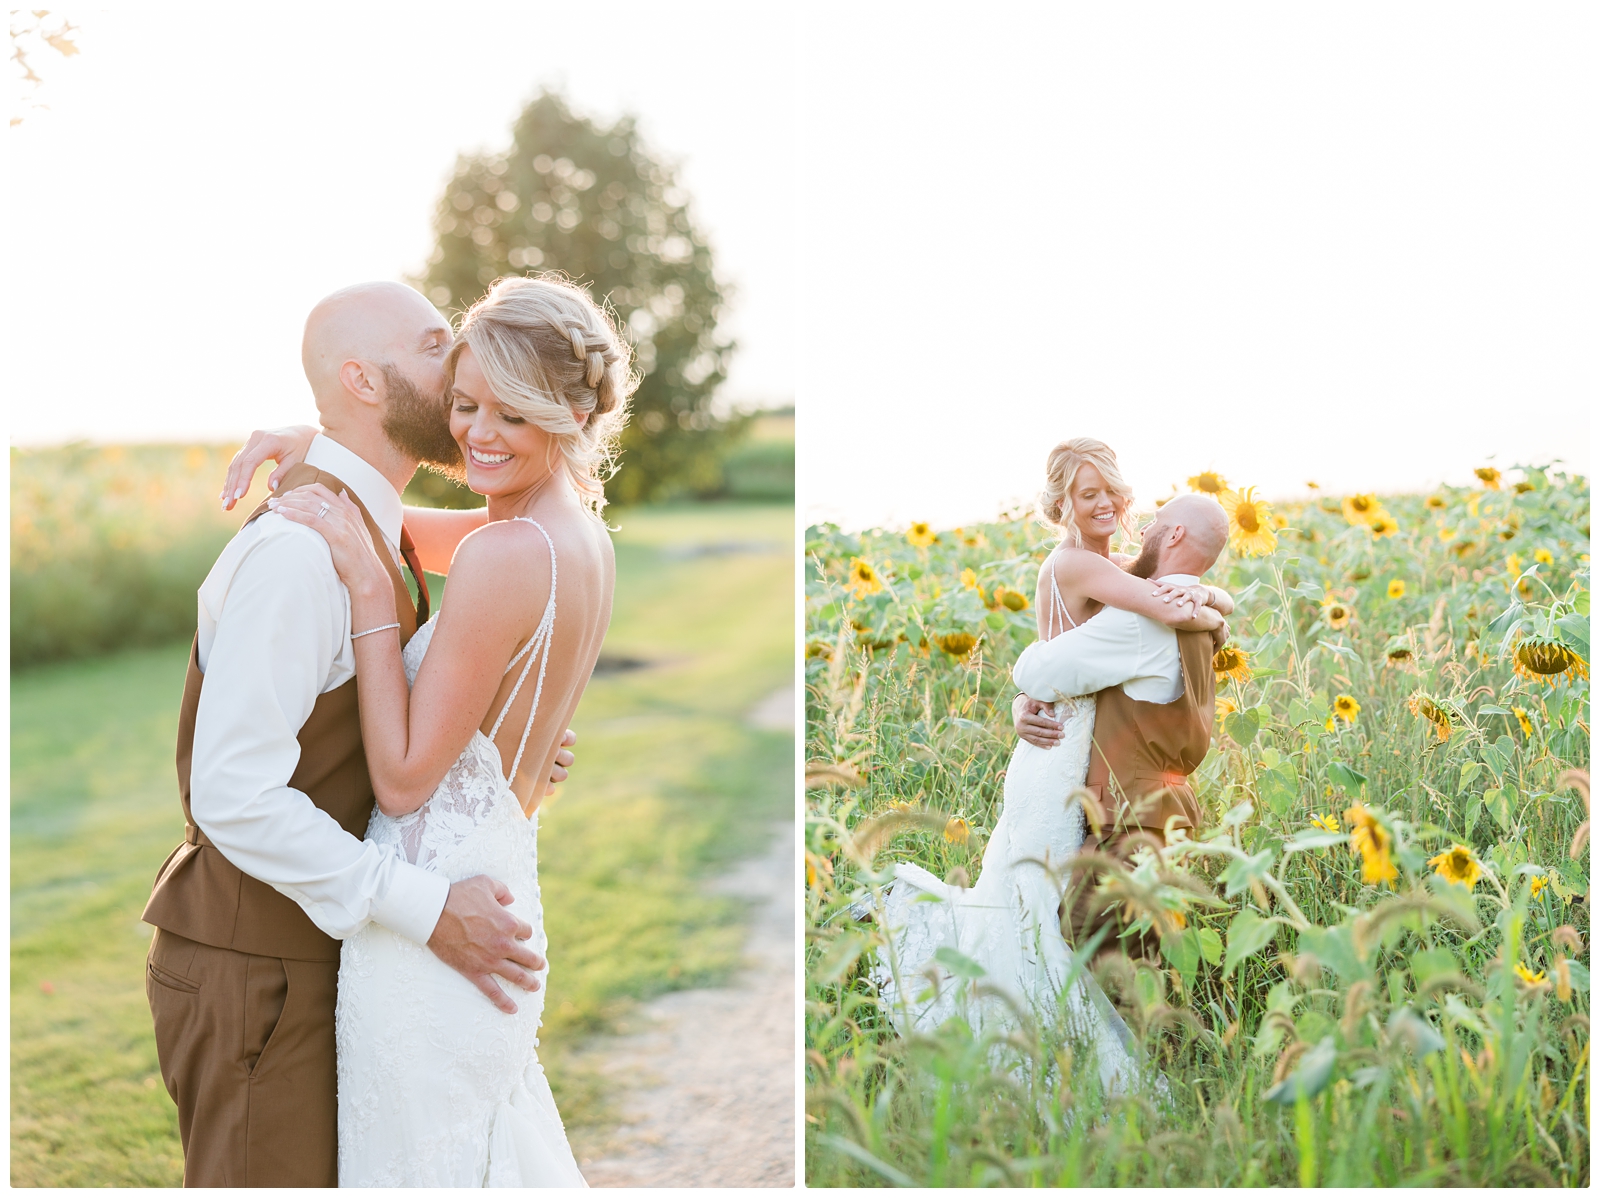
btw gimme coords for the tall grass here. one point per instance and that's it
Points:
(109, 543)
(1314, 1026)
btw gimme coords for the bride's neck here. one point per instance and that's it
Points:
(553, 486)
(1100, 545)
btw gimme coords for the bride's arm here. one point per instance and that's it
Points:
(413, 737)
(1092, 575)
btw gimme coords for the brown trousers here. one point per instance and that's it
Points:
(247, 1053)
(1083, 913)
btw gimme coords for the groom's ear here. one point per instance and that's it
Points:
(362, 380)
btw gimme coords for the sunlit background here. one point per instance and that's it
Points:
(1350, 243)
(199, 179)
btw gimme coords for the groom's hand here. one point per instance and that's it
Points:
(478, 938)
(563, 762)
(1034, 722)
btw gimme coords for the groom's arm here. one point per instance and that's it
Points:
(278, 632)
(1103, 651)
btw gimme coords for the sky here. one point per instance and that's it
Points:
(1342, 242)
(202, 177)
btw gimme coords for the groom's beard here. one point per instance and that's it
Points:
(419, 426)
(1144, 566)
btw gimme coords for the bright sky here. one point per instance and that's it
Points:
(1346, 242)
(201, 178)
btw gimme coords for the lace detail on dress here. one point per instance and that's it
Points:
(464, 797)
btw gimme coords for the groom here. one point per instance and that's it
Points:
(273, 872)
(1155, 700)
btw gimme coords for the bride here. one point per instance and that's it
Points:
(436, 1086)
(1005, 932)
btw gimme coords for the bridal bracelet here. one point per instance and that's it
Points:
(370, 631)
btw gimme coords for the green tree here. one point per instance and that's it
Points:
(597, 204)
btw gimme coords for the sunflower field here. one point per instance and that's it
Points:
(1373, 955)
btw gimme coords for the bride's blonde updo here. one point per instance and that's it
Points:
(1061, 469)
(549, 353)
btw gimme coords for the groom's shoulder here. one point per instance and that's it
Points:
(271, 548)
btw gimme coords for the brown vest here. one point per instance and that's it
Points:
(1144, 752)
(201, 895)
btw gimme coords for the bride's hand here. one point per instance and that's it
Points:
(1170, 592)
(339, 521)
(285, 446)
(564, 761)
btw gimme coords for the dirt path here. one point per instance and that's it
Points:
(709, 1075)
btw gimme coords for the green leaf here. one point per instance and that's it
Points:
(1575, 631)
(841, 956)
(1499, 806)
(1263, 622)
(1580, 976)
(1470, 770)
(1346, 778)
(1335, 949)
(1242, 726)
(1247, 935)
(1310, 1077)
(1487, 709)
(1210, 946)
(1430, 962)
(959, 965)
(1182, 949)
(1314, 838)
(1236, 815)
(1415, 1032)
(1242, 871)
(1279, 787)
(995, 620)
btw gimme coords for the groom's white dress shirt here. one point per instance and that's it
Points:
(1111, 648)
(274, 634)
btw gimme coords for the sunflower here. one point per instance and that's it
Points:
(1225, 708)
(920, 535)
(1230, 661)
(819, 649)
(1435, 501)
(957, 830)
(1359, 509)
(863, 579)
(1398, 652)
(1522, 718)
(1346, 708)
(1336, 612)
(1383, 524)
(971, 539)
(956, 644)
(1522, 487)
(1249, 523)
(1489, 477)
(1536, 884)
(1397, 588)
(1544, 659)
(1543, 556)
(1313, 485)
(1457, 865)
(970, 580)
(1327, 823)
(1010, 600)
(1280, 522)
(1370, 841)
(1527, 975)
(1209, 482)
(1329, 725)
(1514, 564)
(1424, 707)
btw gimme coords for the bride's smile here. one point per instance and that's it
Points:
(507, 457)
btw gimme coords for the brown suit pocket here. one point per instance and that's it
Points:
(172, 981)
(266, 987)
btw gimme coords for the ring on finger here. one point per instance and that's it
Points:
(322, 511)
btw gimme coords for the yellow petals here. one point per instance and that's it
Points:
(1346, 708)
(957, 830)
(1327, 823)
(1208, 482)
(1249, 522)
(1397, 588)
(863, 580)
(920, 535)
(1457, 865)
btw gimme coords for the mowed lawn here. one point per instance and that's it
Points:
(672, 782)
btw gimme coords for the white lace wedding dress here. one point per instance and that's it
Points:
(436, 1086)
(1008, 923)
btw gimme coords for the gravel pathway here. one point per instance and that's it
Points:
(709, 1075)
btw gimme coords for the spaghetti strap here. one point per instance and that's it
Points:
(1057, 618)
(538, 646)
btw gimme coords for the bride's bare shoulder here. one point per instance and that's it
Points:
(1073, 563)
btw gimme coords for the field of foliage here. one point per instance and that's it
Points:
(1373, 955)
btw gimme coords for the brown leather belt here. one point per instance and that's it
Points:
(1167, 779)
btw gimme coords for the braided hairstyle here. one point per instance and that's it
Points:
(554, 356)
(1061, 470)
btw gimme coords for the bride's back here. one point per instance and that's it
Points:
(585, 575)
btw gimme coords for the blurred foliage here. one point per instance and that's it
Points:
(109, 544)
(1374, 967)
(597, 204)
